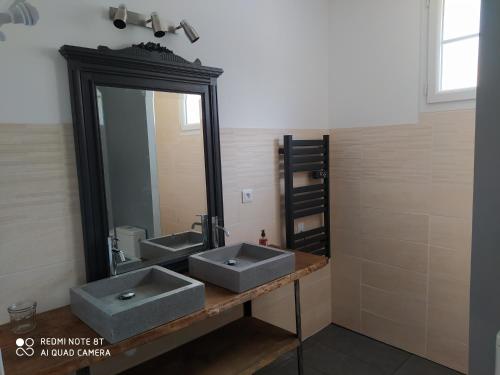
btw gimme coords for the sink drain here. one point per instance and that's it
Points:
(231, 262)
(127, 295)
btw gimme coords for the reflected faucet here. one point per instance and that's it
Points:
(117, 256)
(203, 223)
(216, 230)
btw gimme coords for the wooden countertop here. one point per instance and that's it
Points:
(61, 323)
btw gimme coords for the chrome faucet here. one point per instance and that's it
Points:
(117, 256)
(217, 229)
(203, 223)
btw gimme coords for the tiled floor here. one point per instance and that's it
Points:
(338, 351)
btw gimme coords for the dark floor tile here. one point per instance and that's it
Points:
(331, 362)
(385, 358)
(287, 366)
(419, 366)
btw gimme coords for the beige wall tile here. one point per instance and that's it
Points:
(411, 256)
(411, 232)
(449, 232)
(398, 225)
(346, 193)
(449, 323)
(40, 230)
(316, 302)
(448, 294)
(395, 195)
(346, 297)
(453, 146)
(410, 166)
(181, 167)
(394, 333)
(451, 200)
(394, 279)
(397, 151)
(448, 352)
(348, 143)
(347, 218)
(278, 306)
(251, 160)
(40, 243)
(452, 129)
(48, 285)
(448, 319)
(266, 203)
(401, 308)
(453, 166)
(454, 264)
(345, 242)
(232, 205)
(346, 168)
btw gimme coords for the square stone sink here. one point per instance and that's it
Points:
(241, 267)
(125, 305)
(178, 244)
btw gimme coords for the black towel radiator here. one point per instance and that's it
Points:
(310, 156)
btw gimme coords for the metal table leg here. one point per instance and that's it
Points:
(247, 308)
(298, 327)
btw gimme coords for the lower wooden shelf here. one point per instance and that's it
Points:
(241, 347)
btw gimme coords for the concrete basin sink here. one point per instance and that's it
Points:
(178, 244)
(241, 267)
(126, 305)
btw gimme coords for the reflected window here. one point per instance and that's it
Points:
(191, 112)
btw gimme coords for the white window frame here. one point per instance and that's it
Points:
(434, 94)
(185, 127)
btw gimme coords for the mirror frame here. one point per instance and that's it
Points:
(146, 66)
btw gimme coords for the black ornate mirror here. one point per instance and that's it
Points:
(147, 145)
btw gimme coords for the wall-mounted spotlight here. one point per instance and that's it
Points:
(158, 30)
(122, 17)
(20, 12)
(189, 31)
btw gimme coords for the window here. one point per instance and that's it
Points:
(191, 112)
(453, 49)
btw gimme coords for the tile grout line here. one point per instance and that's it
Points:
(361, 231)
(361, 360)
(402, 364)
(426, 344)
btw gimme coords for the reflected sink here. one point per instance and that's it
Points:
(130, 264)
(178, 244)
(241, 267)
(126, 305)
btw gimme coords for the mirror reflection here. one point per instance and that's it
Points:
(154, 169)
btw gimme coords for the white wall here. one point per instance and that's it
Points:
(374, 62)
(378, 63)
(274, 53)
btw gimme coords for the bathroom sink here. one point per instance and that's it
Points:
(130, 264)
(126, 305)
(241, 267)
(178, 244)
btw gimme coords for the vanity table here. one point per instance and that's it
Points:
(241, 347)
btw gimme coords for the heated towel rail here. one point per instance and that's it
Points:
(309, 156)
